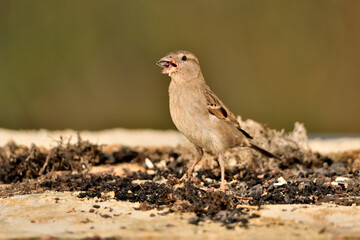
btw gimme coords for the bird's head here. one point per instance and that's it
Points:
(180, 64)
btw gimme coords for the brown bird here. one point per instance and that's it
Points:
(199, 114)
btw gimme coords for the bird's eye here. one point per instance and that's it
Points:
(184, 58)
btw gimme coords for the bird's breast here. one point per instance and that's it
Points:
(187, 110)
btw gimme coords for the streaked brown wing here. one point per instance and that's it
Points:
(218, 109)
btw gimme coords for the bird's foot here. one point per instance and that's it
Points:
(222, 189)
(185, 178)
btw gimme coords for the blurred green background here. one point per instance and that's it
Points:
(91, 64)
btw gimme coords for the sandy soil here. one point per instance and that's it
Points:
(63, 215)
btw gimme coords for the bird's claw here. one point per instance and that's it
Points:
(185, 178)
(221, 189)
(224, 188)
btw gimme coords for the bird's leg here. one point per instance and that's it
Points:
(223, 187)
(198, 156)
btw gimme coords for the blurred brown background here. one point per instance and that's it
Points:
(91, 64)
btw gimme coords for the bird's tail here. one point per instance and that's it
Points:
(263, 151)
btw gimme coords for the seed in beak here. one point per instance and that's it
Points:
(163, 64)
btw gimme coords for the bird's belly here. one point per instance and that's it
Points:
(202, 128)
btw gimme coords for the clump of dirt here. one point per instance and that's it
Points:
(295, 179)
(214, 205)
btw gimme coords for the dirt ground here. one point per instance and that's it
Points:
(64, 215)
(125, 184)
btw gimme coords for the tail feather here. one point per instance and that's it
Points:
(245, 133)
(263, 151)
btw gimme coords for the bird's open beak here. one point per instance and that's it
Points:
(168, 65)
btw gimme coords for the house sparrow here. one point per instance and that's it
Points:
(199, 114)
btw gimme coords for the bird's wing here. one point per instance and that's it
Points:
(219, 110)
